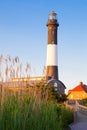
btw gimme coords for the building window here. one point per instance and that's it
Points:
(56, 86)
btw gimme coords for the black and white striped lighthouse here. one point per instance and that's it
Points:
(52, 59)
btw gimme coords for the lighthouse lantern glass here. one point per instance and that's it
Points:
(52, 16)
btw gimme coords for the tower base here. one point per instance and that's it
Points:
(52, 71)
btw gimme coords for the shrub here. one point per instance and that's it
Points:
(49, 93)
(85, 101)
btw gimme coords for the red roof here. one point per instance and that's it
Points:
(80, 87)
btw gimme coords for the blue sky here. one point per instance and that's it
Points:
(23, 33)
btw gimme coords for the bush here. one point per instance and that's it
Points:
(85, 101)
(48, 93)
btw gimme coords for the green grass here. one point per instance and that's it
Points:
(27, 113)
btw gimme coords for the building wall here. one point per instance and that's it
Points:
(77, 95)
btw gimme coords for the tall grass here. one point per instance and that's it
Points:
(29, 113)
(66, 117)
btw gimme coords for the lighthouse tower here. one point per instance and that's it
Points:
(52, 63)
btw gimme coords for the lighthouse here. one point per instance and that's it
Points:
(52, 59)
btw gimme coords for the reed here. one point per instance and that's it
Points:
(27, 113)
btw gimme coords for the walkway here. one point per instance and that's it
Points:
(80, 122)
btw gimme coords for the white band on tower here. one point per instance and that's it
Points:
(52, 55)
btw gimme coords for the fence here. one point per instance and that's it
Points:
(69, 106)
(81, 108)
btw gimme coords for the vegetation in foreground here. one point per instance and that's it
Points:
(26, 113)
(85, 101)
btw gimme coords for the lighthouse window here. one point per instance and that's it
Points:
(50, 28)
